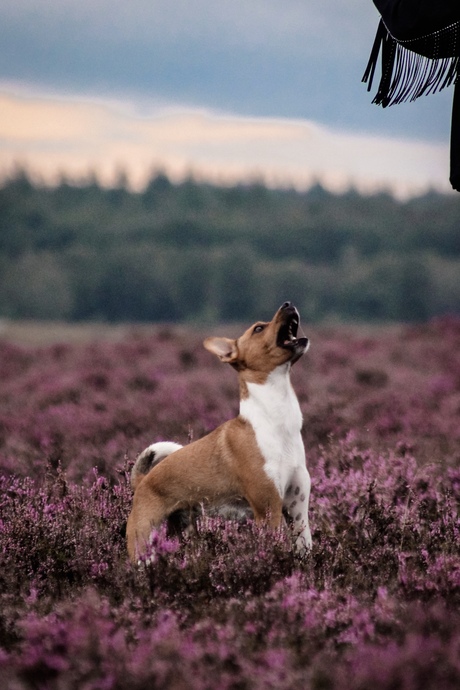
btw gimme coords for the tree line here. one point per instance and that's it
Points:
(199, 252)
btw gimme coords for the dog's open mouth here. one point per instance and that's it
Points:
(287, 334)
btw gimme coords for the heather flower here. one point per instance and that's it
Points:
(231, 605)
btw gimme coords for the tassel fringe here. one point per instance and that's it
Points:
(408, 71)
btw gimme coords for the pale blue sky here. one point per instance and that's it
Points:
(228, 89)
(276, 58)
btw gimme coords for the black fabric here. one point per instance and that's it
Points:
(412, 19)
(455, 141)
(419, 42)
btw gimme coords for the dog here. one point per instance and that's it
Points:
(257, 458)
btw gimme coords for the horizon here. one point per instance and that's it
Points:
(52, 138)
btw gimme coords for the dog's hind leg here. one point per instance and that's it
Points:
(265, 502)
(150, 509)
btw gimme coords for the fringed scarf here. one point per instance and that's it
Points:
(420, 45)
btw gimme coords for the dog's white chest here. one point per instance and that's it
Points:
(273, 411)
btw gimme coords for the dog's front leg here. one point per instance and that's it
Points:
(296, 502)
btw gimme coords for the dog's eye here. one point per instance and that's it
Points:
(258, 329)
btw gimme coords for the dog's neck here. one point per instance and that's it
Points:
(272, 401)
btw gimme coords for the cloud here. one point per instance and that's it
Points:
(52, 136)
(295, 59)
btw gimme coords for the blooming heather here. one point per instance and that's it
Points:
(375, 604)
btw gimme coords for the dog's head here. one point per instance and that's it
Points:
(265, 345)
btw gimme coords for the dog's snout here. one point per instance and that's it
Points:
(288, 308)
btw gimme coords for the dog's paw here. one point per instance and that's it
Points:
(146, 561)
(303, 543)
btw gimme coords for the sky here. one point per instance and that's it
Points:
(225, 90)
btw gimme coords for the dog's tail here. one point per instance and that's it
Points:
(150, 457)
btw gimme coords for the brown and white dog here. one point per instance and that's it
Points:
(257, 456)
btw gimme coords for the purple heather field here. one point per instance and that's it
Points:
(374, 605)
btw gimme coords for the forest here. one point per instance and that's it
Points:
(196, 252)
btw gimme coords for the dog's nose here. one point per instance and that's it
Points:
(286, 305)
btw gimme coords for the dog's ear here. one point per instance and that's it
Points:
(224, 348)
